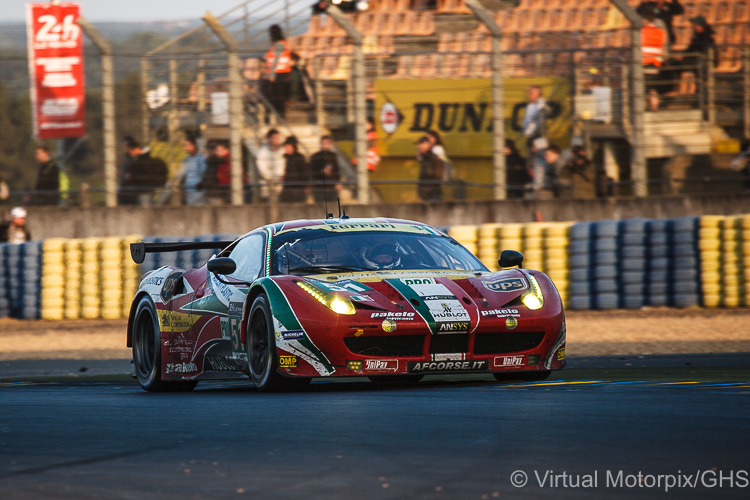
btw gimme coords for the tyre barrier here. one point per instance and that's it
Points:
(680, 262)
(20, 277)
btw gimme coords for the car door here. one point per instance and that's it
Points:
(249, 256)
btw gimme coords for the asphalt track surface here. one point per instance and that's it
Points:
(614, 427)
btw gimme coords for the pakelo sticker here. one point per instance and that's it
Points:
(502, 313)
(506, 285)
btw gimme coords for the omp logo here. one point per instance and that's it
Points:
(454, 327)
(417, 281)
(181, 367)
(288, 361)
(506, 285)
(387, 365)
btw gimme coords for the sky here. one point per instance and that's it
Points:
(14, 11)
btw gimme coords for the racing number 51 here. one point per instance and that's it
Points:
(230, 328)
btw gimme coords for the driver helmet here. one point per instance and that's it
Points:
(383, 256)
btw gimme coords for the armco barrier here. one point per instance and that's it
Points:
(680, 262)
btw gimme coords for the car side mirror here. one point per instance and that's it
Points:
(510, 258)
(222, 265)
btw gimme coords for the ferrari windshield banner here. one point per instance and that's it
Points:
(56, 68)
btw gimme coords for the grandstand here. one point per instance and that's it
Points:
(580, 46)
(393, 27)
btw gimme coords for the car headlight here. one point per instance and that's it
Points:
(336, 303)
(533, 298)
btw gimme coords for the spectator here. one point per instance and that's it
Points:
(578, 174)
(271, 165)
(47, 188)
(533, 130)
(217, 177)
(653, 41)
(296, 173)
(430, 172)
(554, 163)
(696, 54)
(193, 168)
(142, 174)
(439, 150)
(516, 171)
(373, 158)
(664, 10)
(300, 86)
(326, 172)
(15, 230)
(277, 84)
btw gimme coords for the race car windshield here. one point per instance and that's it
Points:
(317, 251)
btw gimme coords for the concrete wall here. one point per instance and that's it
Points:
(49, 222)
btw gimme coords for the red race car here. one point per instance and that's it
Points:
(385, 298)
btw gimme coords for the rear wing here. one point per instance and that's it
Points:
(139, 250)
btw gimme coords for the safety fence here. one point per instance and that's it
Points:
(628, 264)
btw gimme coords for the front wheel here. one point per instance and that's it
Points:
(147, 351)
(261, 351)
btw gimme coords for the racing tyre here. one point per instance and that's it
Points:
(261, 351)
(147, 351)
(523, 376)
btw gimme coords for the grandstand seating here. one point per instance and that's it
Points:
(534, 24)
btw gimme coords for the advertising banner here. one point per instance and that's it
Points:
(461, 112)
(56, 68)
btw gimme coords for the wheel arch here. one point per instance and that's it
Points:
(257, 289)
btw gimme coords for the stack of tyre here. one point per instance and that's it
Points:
(466, 235)
(633, 261)
(533, 246)
(510, 237)
(20, 275)
(110, 277)
(91, 296)
(684, 264)
(53, 279)
(72, 259)
(488, 248)
(556, 256)
(579, 263)
(743, 237)
(658, 282)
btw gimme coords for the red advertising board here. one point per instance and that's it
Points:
(56, 67)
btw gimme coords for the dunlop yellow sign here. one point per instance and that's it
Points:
(461, 111)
